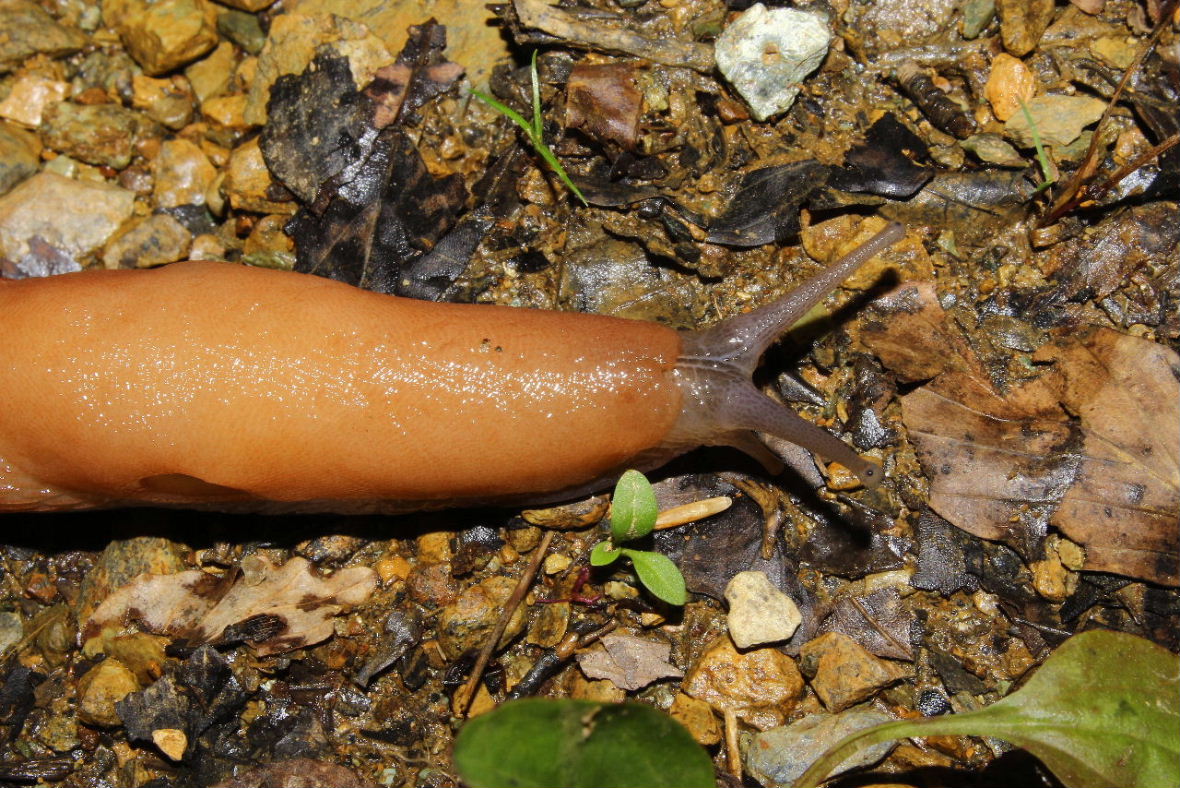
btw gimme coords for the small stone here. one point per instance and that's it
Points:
(100, 134)
(760, 686)
(1117, 51)
(549, 625)
(766, 54)
(977, 14)
(211, 75)
(171, 741)
(844, 672)
(1022, 23)
(100, 689)
(1009, 83)
(151, 241)
(59, 733)
(20, 155)
(228, 112)
(29, 30)
(698, 717)
(243, 29)
(780, 756)
(432, 585)
(182, 174)
(992, 149)
(34, 209)
(29, 97)
(466, 623)
(1059, 120)
(210, 247)
(556, 563)
(841, 478)
(169, 102)
(434, 547)
(11, 629)
(758, 612)
(390, 568)
(249, 183)
(164, 35)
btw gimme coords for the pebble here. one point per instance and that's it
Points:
(977, 14)
(209, 247)
(31, 94)
(268, 236)
(758, 612)
(100, 689)
(780, 756)
(11, 629)
(182, 174)
(248, 182)
(29, 30)
(34, 208)
(1008, 84)
(243, 29)
(992, 149)
(843, 672)
(760, 687)
(20, 154)
(432, 585)
(1059, 119)
(466, 623)
(766, 54)
(698, 717)
(169, 102)
(59, 733)
(211, 75)
(549, 624)
(100, 134)
(1022, 23)
(556, 563)
(227, 112)
(153, 240)
(164, 35)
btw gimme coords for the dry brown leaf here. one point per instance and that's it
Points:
(288, 606)
(630, 662)
(1009, 465)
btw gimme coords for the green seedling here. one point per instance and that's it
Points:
(1048, 171)
(633, 516)
(534, 130)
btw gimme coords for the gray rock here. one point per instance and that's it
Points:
(779, 756)
(1058, 119)
(758, 612)
(153, 240)
(94, 133)
(765, 55)
(18, 156)
(34, 209)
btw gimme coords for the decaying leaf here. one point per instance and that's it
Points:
(1090, 447)
(294, 604)
(629, 661)
(604, 100)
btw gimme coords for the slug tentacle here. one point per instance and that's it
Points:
(721, 406)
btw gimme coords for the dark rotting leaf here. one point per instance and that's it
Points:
(885, 163)
(765, 208)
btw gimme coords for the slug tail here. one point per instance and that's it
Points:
(720, 404)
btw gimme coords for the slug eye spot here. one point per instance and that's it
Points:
(182, 484)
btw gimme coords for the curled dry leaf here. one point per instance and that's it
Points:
(297, 604)
(1090, 447)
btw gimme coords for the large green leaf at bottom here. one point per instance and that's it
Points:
(542, 743)
(1103, 710)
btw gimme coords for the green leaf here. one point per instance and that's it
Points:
(659, 575)
(604, 554)
(543, 743)
(633, 508)
(1103, 710)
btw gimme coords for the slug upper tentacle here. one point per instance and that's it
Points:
(720, 405)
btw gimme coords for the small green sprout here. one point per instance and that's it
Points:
(1048, 171)
(633, 516)
(534, 130)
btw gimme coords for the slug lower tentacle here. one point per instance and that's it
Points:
(229, 387)
(722, 407)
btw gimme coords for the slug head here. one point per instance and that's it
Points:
(721, 406)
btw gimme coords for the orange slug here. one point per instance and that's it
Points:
(228, 387)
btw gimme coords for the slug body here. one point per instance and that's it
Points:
(223, 386)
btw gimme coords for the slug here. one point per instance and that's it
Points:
(221, 386)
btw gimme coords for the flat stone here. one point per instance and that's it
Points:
(1009, 83)
(758, 612)
(778, 757)
(760, 687)
(211, 75)
(248, 183)
(1059, 120)
(34, 209)
(151, 241)
(467, 622)
(766, 54)
(292, 44)
(164, 35)
(227, 112)
(243, 29)
(698, 717)
(100, 689)
(99, 134)
(20, 155)
(843, 672)
(30, 95)
(1022, 23)
(29, 30)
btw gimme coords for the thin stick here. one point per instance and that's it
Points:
(466, 693)
(733, 756)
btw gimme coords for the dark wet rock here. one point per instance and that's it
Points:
(95, 133)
